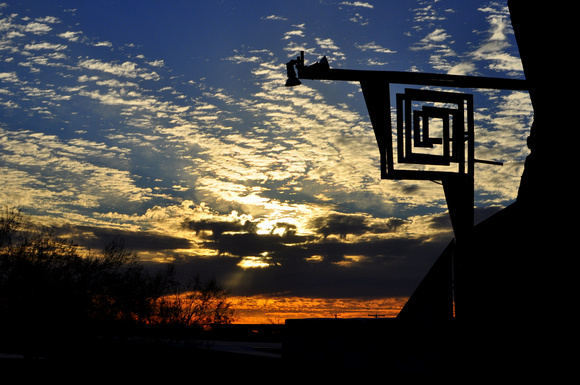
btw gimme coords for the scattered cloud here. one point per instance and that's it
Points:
(426, 16)
(329, 46)
(493, 50)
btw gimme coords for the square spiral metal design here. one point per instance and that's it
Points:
(434, 128)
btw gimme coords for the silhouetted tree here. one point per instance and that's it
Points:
(193, 303)
(53, 292)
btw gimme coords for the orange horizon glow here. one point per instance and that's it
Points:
(275, 310)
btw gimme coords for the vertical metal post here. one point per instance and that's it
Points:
(459, 192)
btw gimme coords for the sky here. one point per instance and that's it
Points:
(167, 123)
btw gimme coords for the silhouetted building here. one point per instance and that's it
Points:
(504, 306)
(518, 270)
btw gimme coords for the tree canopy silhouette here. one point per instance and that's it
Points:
(52, 290)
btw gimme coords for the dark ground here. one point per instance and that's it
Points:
(112, 359)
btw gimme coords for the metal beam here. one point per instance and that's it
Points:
(321, 71)
(416, 78)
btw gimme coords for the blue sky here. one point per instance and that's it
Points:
(167, 122)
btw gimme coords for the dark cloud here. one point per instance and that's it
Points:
(96, 238)
(439, 221)
(240, 238)
(248, 244)
(383, 260)
(387, 267)
(218, 227)
(289, 228)
(343, 225)
(326, 264)
(442, 221)
(340, 224)
(389, 225)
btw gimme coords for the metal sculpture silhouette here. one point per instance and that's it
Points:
(421, 153)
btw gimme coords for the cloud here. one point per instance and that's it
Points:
(219, 227)
(11, 77)
(340, 224)
(180, 126)
(36, 28)
(464, 68)
(243, 59)
(273, 17)
(359, 19)
(327, 261)
(329, 268)
(45, 45)
(358, 4)
(125, 69)
(75, 180)
(97, 237)
(426, 16)
(493, 50)
(433, 41)
(48, 19)
(374, 47)
(157, 63)
(103, 44)
(328, 45)
(293, 33)
(73, 36)
(438, 35)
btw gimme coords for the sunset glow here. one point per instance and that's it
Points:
(274, 310)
